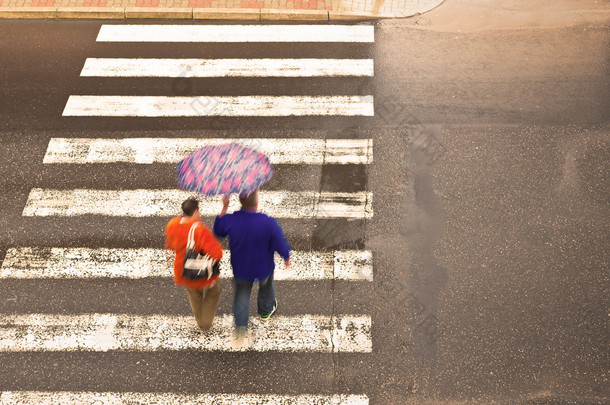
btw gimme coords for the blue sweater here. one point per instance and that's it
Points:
(253, 239)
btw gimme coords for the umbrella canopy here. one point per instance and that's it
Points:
(224, 169)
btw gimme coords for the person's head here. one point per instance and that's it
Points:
(249, 202)
(190, 207)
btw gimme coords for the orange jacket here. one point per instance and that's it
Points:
(176, 234)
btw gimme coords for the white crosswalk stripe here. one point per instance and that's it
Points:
(39, 263)
(144, 203)
(145, 398)
(103, 332)
(151, 67)
(224, 106)
(172, 150)
(236, 33)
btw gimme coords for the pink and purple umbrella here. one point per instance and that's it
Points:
(224, 169)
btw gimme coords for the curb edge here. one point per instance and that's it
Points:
(191, 13)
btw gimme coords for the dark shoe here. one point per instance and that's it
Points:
(266, 317)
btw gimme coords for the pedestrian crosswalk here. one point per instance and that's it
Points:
(327, 334)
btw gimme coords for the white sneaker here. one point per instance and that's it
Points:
(240, 338)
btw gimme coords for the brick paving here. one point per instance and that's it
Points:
(373, 8)
(95, 3)
(42, 3)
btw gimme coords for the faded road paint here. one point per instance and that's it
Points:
(103, 332)
(170, 150)
(226, 106)
(156, 67)
(38, 263)
(144, 203)
(167, 398)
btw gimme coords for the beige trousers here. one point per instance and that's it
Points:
(204, 303)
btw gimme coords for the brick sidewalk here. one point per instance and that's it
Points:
(214, 9)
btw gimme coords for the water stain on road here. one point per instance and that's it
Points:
(423, 227)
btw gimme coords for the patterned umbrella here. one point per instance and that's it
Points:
(224, 169)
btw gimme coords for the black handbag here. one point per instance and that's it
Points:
(196, 264)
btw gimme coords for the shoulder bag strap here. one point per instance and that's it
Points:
(190, 242)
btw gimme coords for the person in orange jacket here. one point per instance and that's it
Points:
(203, 293)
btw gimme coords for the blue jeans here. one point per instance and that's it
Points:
(241, 303)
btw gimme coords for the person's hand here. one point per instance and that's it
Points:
(287, 264)
(225, 204)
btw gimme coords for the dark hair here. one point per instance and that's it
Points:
(250, 201)
(189, 206)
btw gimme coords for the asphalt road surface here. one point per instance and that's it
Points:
(471, 214)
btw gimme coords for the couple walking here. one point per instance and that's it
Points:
(253, 239)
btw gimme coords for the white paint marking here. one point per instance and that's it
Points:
(103, 332)
(145, 203)
(167, 398)
(353, 264)
(122, 67)
(172, 150)
(75, 263)
(228, 106)
(236, 33)
(343, 151)
(77, 398)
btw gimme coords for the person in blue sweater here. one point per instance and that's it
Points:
(254, 238)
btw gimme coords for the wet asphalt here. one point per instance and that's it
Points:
(490, 235)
